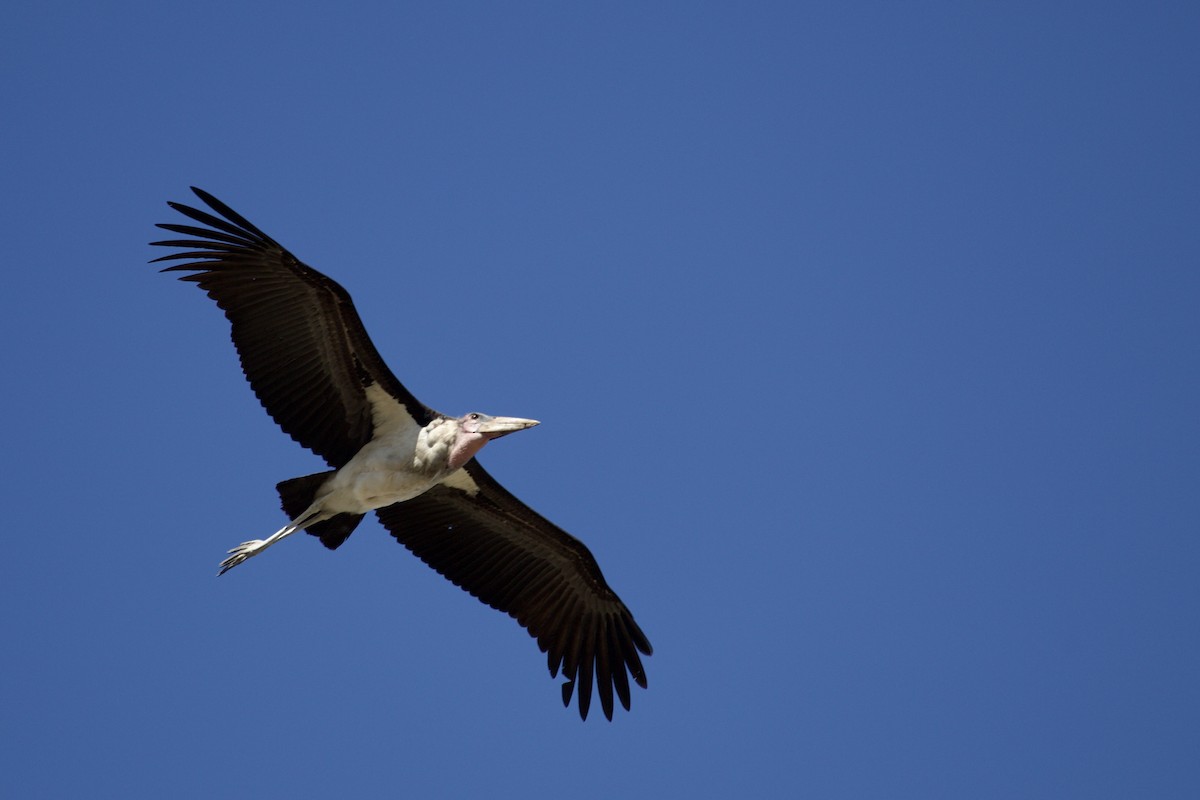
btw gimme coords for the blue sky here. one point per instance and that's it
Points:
(864, 337)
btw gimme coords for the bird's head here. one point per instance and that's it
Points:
(476, 429)
(489, 427)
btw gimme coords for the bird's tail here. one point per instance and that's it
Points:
(297, 495)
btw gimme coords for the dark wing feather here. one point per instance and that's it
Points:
(501, 551)
(302, 345)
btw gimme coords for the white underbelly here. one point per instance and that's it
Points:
(378, 476)
(371, 489)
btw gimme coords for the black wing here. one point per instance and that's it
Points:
(475, 533)
(302, 345)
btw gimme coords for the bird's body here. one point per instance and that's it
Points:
(316, 372)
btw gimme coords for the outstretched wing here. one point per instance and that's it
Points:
(302, 345)
(476, 534)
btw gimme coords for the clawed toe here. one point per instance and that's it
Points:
(239, 554)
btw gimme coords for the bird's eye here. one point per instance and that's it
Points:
(474, 416)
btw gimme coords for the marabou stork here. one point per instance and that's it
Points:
(309, 360)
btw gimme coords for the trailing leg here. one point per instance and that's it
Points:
(253, 547)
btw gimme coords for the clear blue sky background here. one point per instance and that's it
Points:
(865, 338)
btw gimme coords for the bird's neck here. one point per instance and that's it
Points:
(442, 447)
(464, 449)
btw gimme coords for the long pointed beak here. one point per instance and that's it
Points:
(496, 427)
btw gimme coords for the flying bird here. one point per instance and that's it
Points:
(309, 360)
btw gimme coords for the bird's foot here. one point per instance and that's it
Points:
(240, 553)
